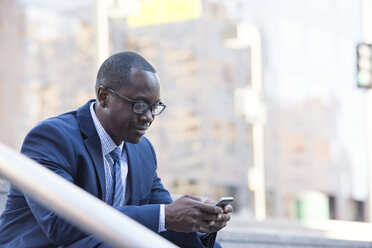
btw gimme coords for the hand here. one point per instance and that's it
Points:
(221, 221)
(190, 214)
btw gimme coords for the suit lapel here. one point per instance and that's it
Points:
(135, 174)
(92, 144)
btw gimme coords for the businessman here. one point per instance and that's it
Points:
(100, 147)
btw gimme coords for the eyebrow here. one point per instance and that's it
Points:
(141, 99)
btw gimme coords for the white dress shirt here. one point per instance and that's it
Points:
(107, 145)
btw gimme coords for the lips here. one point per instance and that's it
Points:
(140, 130)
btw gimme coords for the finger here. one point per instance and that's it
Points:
(194, 197)
(208, 208)
(223, 217)
(195, 229)
(210, 201)
(204, 230)
(216, 226)
(220, 225)
(227, 209)
(211, 226)
(204, 224)
(207, 217)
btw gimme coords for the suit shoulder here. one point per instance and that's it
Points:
(146, 145)
(67, 121)
(60, 129)
(145, 142)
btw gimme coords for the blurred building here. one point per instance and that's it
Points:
(47, 64)
(309, 77)
(12, 36)
(202, 146)
(315, 134)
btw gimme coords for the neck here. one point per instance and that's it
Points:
(100, 116)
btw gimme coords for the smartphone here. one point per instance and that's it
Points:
(225, 201)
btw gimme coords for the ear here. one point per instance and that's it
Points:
(102, 96)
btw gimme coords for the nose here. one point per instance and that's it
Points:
(147, 117)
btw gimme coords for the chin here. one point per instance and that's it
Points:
(135, 140)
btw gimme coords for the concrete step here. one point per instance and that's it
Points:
(242, 231)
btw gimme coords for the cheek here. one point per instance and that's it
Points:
(119, 116)
(123, 122)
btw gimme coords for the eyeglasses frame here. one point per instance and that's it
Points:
(122, 97)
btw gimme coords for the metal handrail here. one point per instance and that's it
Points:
(74, 204)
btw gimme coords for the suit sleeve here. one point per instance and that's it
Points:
(52, 148)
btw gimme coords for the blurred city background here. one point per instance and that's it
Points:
(262, 96)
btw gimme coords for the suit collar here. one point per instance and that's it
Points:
(85, 120)
(135, 173)
(92, 143)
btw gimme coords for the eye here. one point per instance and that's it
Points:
(140, 107)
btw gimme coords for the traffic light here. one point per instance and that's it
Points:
(364, 65)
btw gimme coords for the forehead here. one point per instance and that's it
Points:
(143, 85)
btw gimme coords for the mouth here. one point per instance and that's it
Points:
(140, 130)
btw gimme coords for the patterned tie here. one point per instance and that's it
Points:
(117, 181)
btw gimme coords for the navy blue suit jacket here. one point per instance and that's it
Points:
(70, 146)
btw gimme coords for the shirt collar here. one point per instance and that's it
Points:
(106, 142)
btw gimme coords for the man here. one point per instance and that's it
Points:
(100, 147)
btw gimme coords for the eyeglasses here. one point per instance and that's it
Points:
(140, 107)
